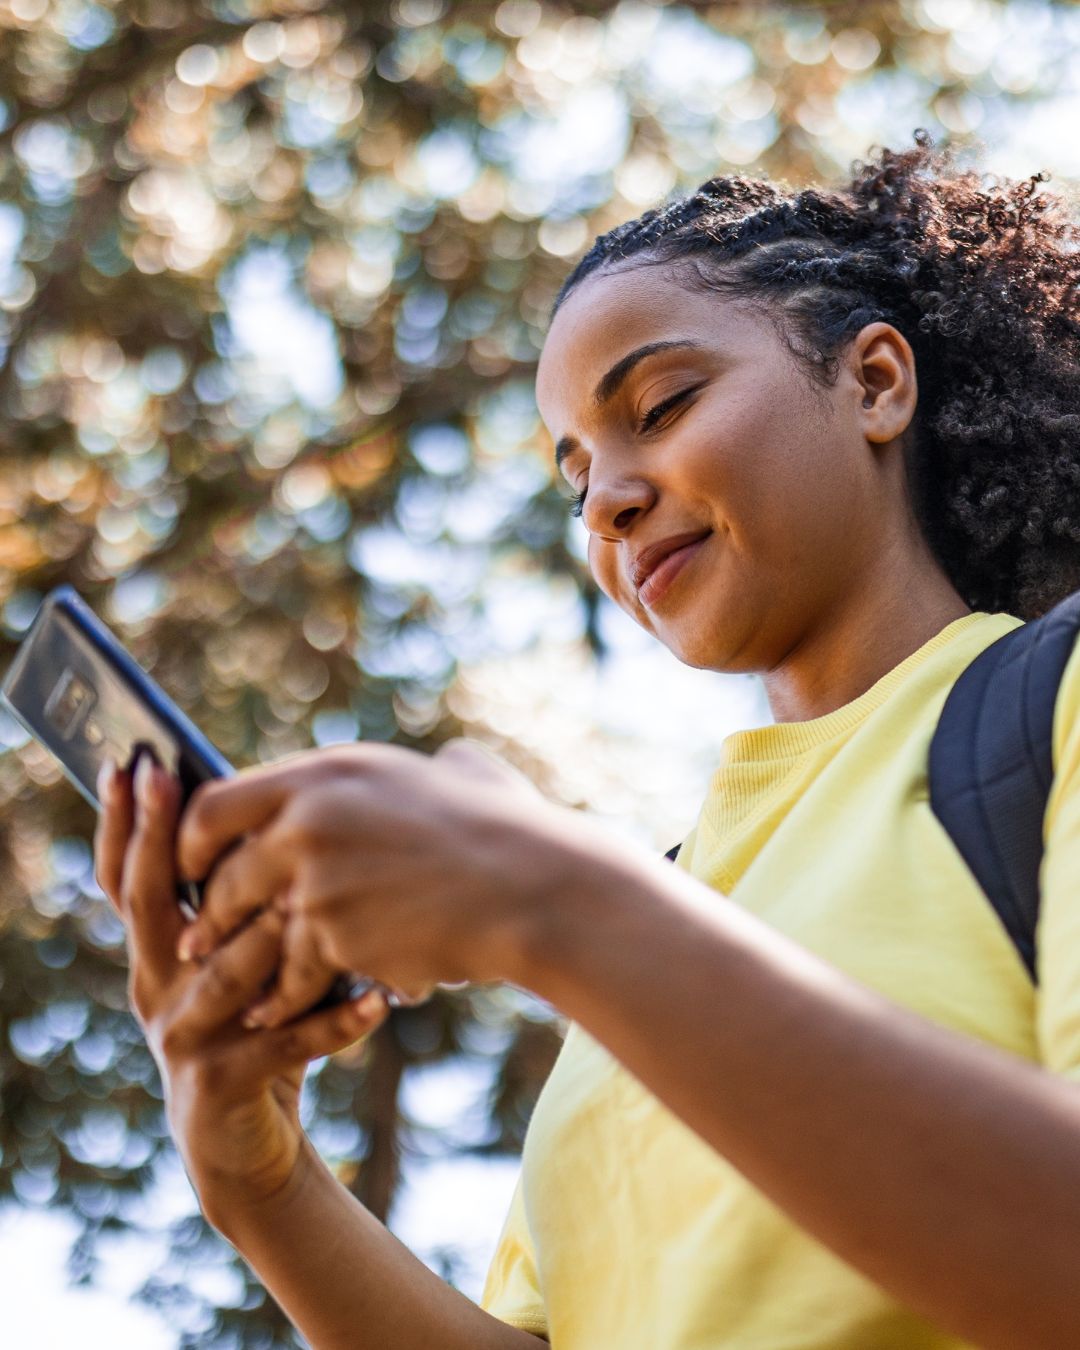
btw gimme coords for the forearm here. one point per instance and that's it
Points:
(347, 1283)
(945, 1170)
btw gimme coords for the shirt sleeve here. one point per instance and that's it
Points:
(1058, 930)
(512, 1289)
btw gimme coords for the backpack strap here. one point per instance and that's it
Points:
(991, 764)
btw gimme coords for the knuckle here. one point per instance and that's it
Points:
(468, 745)
(195, 822)
(300, 828)
(172, 1039)
(292, 1043)
(221, 982)
(331, 757)
(221, 893)
(450, 744)
(474, 756)
(205, 920)
(412, 995)
(365, 762)
(209, 910)
(203, 795)
(269, 923)
(349, 1031)
(456, 745)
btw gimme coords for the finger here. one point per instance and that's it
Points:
(303, 979)
(478, 761)
(311, 1037)
(411, 996)
(234, 976)
(223, 810)
(148, 884)
(112, 833)
(473, 758)
(244, 882)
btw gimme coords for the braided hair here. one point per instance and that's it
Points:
(980, 275)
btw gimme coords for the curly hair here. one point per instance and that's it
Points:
(981, 276)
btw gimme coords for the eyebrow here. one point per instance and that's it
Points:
(613, 381)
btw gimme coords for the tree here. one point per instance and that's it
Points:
(274, 276)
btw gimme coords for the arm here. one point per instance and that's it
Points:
(232, 1096)
(347, 1283)
(944, 1169)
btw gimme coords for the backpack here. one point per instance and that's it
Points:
(991, 764)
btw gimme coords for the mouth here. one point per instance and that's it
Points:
(664, 573)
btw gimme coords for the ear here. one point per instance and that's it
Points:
(883, 365)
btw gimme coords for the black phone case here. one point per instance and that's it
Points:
(76, 689)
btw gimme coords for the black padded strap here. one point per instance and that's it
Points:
(991, 764)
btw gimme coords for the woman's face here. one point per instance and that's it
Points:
(687, 421)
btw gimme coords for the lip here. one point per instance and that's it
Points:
(650, 560)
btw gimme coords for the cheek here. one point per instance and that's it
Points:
(785, 471)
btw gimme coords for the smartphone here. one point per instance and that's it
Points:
(76, 689)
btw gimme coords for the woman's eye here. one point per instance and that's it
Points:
(577, 501)
(655, 413)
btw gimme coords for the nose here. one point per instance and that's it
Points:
(613, 502)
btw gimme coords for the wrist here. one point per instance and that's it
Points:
(583, 876)
(242, 1211)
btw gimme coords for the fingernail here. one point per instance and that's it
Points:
(144, 781)
(368, 1004)
(255, 1017)
(106, 778)
(187, 947)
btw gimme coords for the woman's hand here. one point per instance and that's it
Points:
(231, 1093)
(413, 870)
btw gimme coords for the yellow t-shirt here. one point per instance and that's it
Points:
(626, 1230)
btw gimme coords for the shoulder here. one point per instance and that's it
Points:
(1067, 709)
(1065, 741)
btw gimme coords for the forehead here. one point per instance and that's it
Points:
(611, 313)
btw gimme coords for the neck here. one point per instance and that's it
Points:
(876, 627)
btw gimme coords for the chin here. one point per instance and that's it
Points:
(713, 647)
(695, 650)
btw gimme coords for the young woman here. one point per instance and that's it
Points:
(810, 1097)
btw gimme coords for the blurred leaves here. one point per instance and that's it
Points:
(274, 276)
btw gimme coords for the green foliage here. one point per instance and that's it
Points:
(274, 275)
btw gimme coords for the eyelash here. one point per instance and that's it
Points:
(577, 503)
